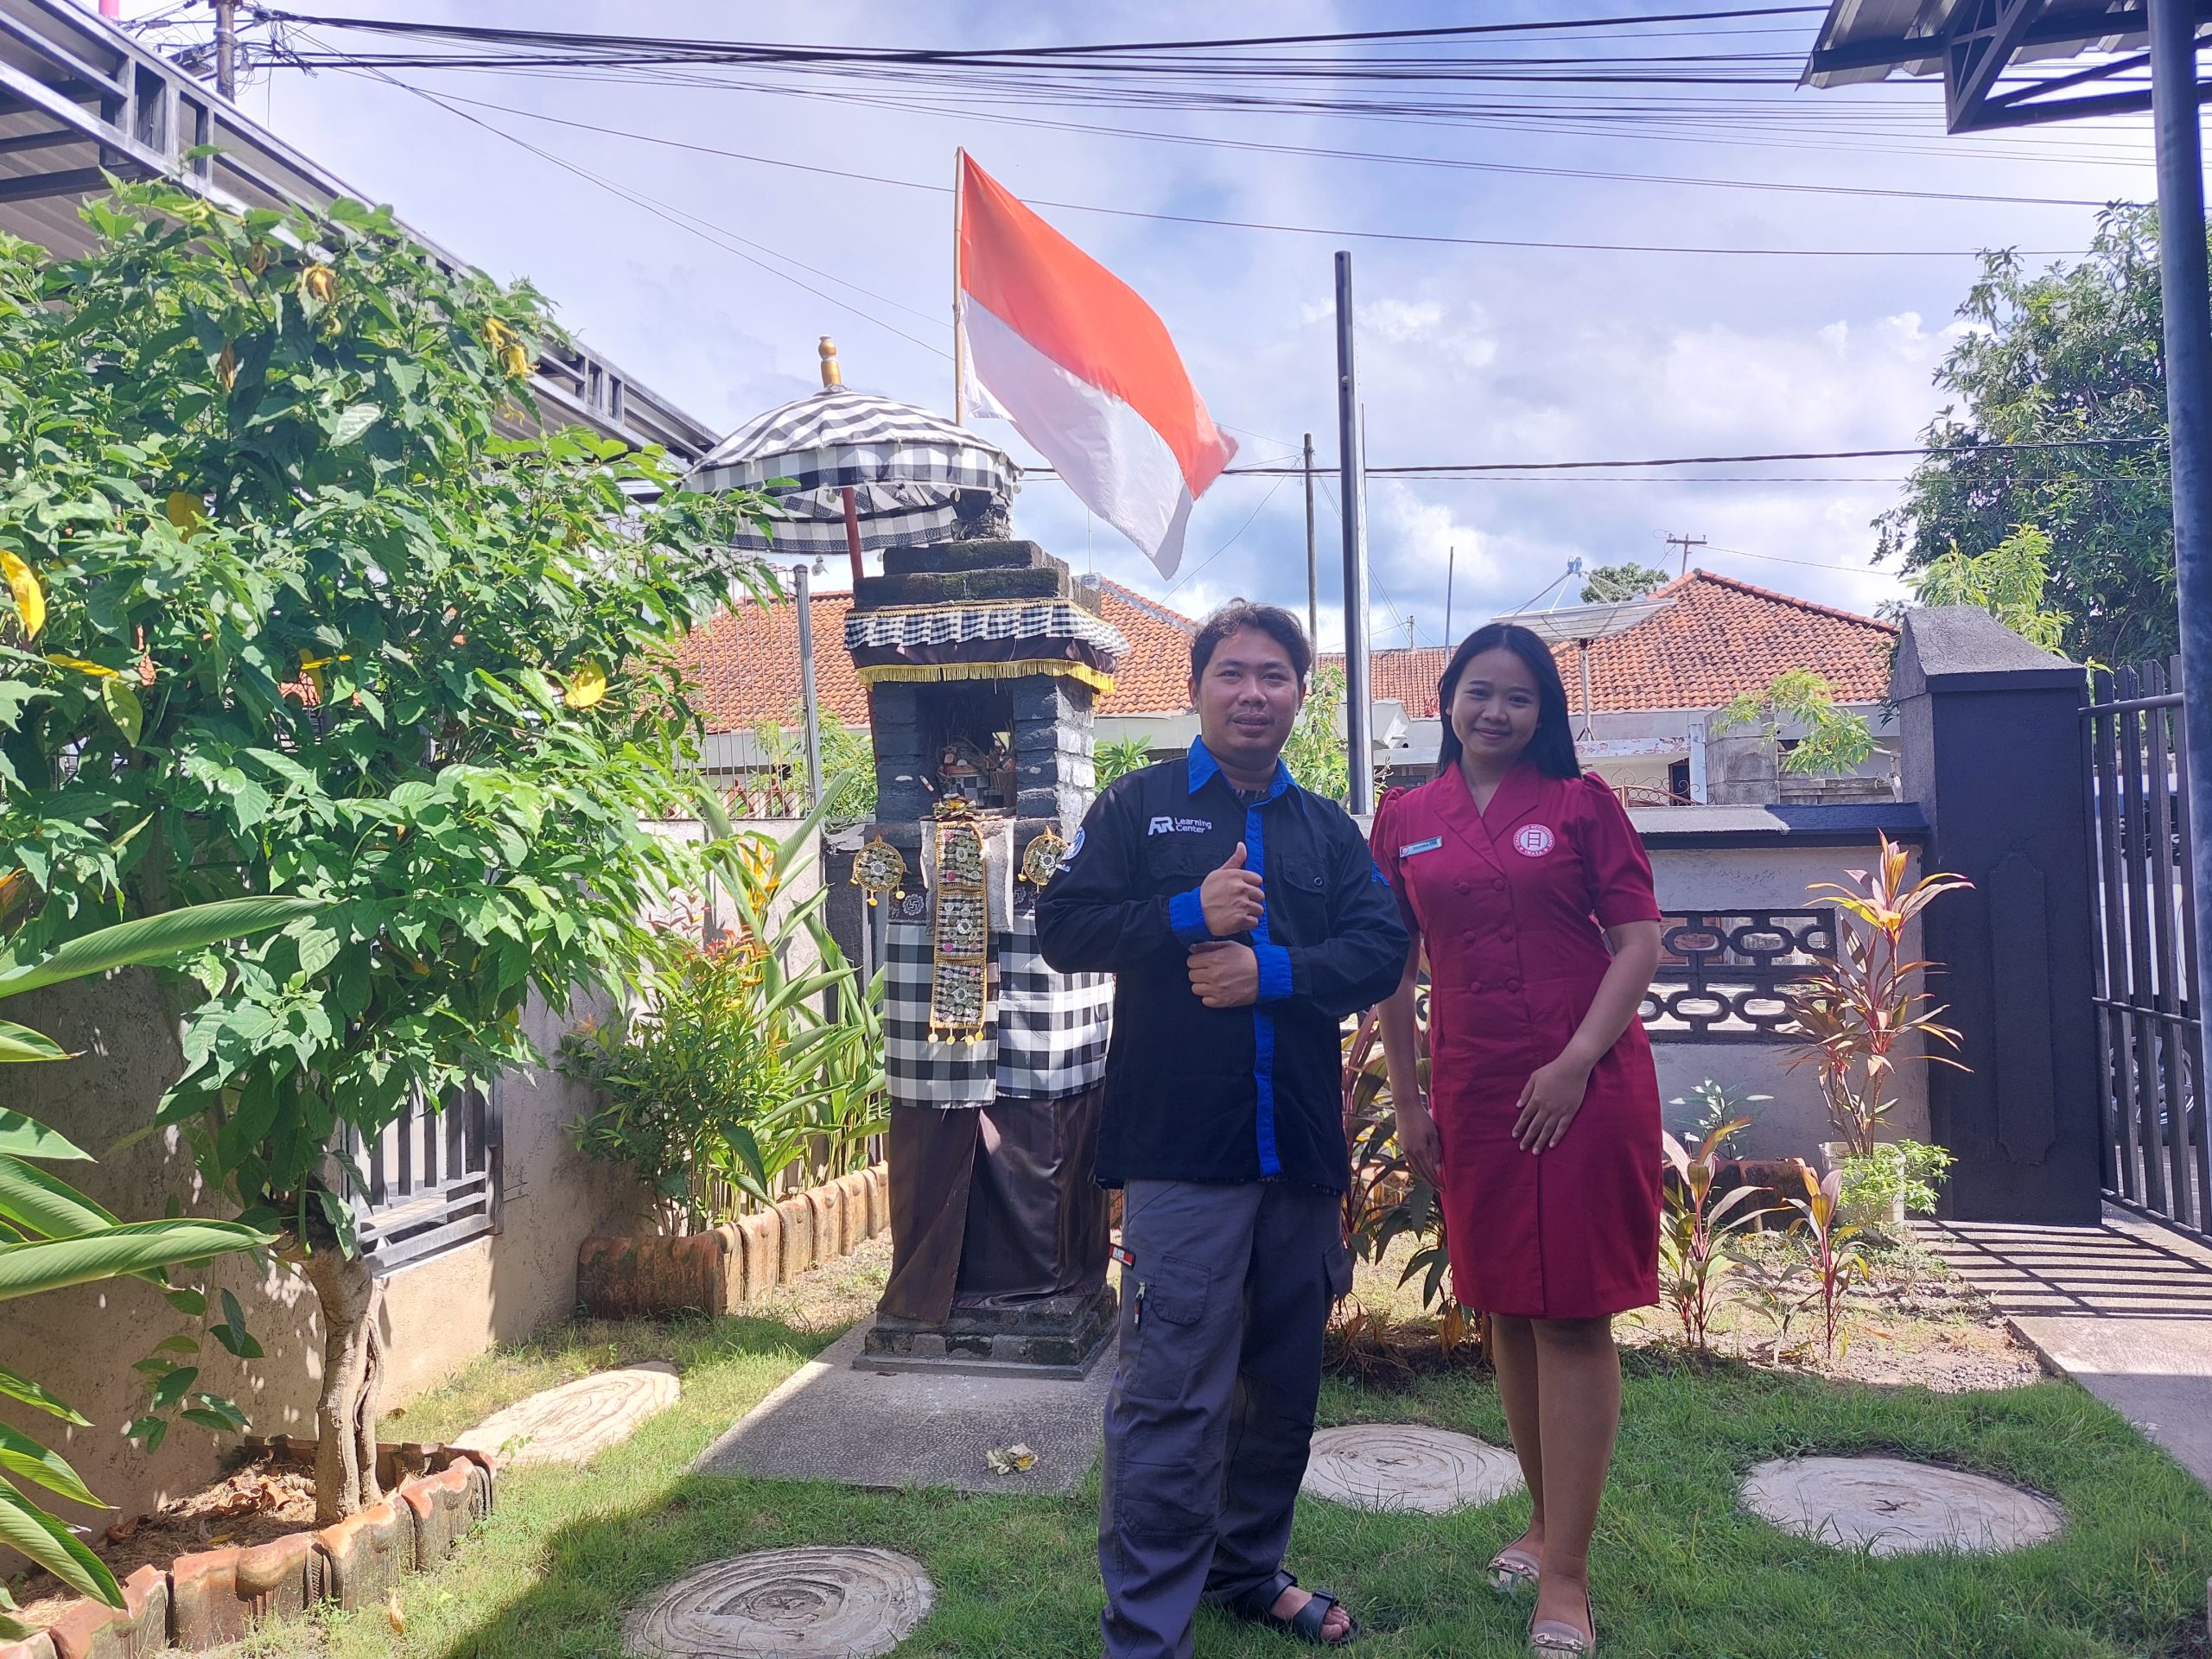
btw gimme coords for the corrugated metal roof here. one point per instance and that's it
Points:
(1872, 40)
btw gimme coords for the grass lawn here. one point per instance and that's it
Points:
(1680, 1571)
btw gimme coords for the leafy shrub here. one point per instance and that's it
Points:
(1874, 1180)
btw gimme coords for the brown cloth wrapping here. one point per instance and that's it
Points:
(995, 1206)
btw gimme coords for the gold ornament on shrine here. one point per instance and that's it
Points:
(1042, 857)
(879, 867)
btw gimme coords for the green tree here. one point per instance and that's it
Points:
(307, 608)
(1609, 583)
(2075, 353)
(1834, 742)
(2008, 582)
(1119, 757)
(1315, 752)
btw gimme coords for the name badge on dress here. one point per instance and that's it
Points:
(1428, 846)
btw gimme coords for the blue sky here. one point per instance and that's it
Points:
(1465, 353)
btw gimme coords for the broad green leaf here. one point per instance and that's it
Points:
(352, 422)
(22, 1456)
(20, 1043)
(176, 1344)
(38, 1203)
(26, 1137)
(30, 1394)
(55, 1264)
(173, 1387)
(152, 1431)
(30, 1531)
(231, 1423)
(120, 699)
(190, 1303)
(155, 939)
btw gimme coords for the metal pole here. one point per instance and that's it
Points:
(1313, 562)
(811, 717)
(227, 48)
(2188, 310)
(1585, 654)
(1351, 461)
(1451, 569)
(959, 334)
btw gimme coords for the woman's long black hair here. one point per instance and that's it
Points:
(1552, 748)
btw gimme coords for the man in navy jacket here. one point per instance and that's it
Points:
(1244, 920)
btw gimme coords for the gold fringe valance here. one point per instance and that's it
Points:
(1101, 682)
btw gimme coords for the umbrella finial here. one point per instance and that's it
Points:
(831, 375)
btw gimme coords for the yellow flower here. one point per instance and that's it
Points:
(184, 510)
(514, 362)
(257, 257)
(30, 598)
(319, 284)
(226, 366)
(586, 686)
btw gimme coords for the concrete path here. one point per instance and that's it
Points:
(832, 1422)
(2125, 1310)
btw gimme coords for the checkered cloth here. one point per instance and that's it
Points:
(1045, 1034)
(904, 465)
(946, 625)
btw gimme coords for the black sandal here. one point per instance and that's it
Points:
(1257, 1607)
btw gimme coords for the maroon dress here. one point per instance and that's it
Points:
(1511, 904)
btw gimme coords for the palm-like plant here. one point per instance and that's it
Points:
(1697, 1240)
(1838, 1258)
(52, 1236)
(1853, 1009)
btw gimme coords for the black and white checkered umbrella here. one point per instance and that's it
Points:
(907, 467)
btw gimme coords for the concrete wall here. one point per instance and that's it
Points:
(438, 1314)
(1706, 860)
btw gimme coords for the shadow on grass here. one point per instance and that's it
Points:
(1681, 1569)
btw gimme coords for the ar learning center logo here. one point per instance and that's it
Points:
(1532, 840)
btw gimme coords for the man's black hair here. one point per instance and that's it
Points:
(1240, 615)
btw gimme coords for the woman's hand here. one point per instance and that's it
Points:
(1549, 1101)
(1417, 1140)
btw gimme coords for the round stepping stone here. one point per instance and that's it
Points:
(1406, 1466)
(1888, 1506)
(578, 1419)
(794, 1604)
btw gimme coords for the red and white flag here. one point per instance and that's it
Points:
(1065, 349)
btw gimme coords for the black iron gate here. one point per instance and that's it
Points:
(2150, 1038)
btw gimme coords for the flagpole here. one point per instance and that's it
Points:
(1351, 459)
(959, 339)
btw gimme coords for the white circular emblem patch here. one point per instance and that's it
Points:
(1532, 840)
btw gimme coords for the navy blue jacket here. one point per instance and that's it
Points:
(1199, 1094)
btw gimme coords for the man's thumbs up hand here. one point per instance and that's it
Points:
(1232, 898)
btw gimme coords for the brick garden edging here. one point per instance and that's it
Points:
(721, 1270)
(209, 1598)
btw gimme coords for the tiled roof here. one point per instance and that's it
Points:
(1719, 639)
(745, 661)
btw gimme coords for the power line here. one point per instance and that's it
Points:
(1448, 468)
(1418, 236)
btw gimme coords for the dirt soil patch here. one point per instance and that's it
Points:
(255, 1503)
(1914, 1323)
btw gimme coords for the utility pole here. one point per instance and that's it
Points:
(1312, 563)
(811, 716)
(1685, 543)
(227, 48)
(2179, 140)
(1450, 566)
(1352, 460)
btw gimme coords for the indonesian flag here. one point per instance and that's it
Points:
(1065, 350)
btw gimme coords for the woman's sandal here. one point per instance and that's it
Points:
(1550, 1637)
(1514, 1571)
(1257, 1607)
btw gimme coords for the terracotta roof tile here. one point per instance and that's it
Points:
(1719, 639)
(745, 661)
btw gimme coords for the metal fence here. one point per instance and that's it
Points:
(2151, 1038)
(433, 1178)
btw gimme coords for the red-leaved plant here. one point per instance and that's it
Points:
(1837, 1259)
(1696, 1243)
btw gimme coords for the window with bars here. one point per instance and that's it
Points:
(432, 1179)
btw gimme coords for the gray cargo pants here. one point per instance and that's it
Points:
(1211, 1411)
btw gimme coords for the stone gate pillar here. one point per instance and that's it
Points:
(1992, 752)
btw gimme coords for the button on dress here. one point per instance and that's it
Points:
(1511, 905)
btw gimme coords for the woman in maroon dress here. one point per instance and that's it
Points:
(1532, 896)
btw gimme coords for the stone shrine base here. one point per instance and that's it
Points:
(1061, 1337)
(917, 1426)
